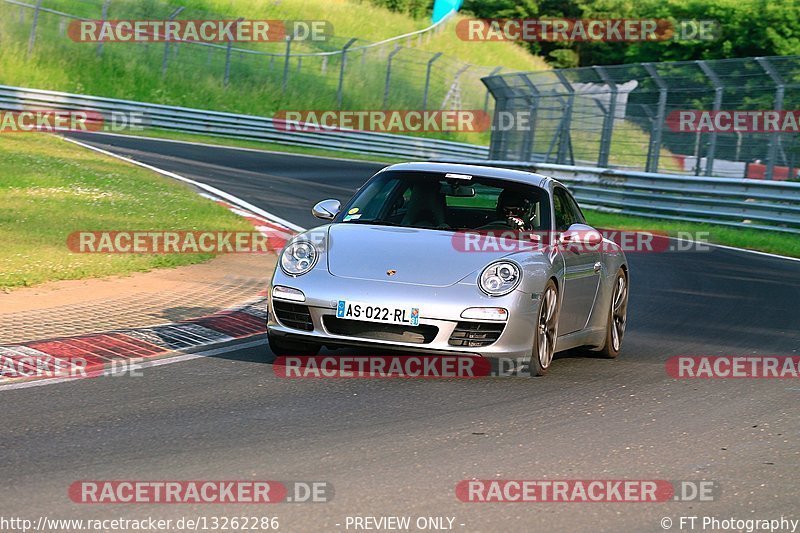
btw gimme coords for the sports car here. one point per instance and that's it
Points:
(450, 258)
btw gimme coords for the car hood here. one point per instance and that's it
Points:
(418, 256)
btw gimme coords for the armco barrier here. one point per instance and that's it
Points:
(247, 127)
(742, 203)
(768, 205)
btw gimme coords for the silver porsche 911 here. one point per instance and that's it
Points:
(446, 258)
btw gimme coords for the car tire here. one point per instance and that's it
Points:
(617, 317)
(282, 347)
(545, 331)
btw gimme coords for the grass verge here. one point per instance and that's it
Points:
(51, 188)
(750, 239)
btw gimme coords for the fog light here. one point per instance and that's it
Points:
(485, 313)
(288, 293)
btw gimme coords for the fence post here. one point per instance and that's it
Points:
(498, 140)
(718, 88)
(608, 122)
(431, 61)
(339, 93)
(486, 98)
(166, 43)
(227, 63)
(527, 148)
(564, 140)
(228, 56)
(104, 16)
(389, 75)
(774, 138)
(657, 128)
(32, 38)
(286, 63)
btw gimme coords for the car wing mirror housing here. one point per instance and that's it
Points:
(327, 209)
(581, 234)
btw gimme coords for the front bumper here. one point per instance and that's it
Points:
(440, 315)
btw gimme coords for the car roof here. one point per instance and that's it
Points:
(520, 176)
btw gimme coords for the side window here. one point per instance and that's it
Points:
(577, 215)
(561, 208)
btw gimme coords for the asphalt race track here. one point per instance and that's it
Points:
(399, 447)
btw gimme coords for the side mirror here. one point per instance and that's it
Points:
(327, 209)
(581, 235)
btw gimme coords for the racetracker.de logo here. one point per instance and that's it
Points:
(199, 492)
(404, 120)
(736, 121)
(586, 30)
(591, 240)
(564, 491)
(177, 492)
(168, 242)
(733, 367)
(382, 366)
(585, 491)
(201, 31)
(45, 120)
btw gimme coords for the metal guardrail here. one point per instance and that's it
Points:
(742, 203)
(247, 127)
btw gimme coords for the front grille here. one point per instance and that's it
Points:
(476, 334)
(422, 334)
(293, 315)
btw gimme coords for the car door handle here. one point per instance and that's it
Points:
(598, 267)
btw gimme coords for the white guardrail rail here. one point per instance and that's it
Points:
(246, 127)
(768, 205)
(743, 203)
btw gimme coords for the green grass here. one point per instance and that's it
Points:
(750, 239)
(51, 188)
(195, 75)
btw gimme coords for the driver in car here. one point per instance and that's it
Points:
(516, 211)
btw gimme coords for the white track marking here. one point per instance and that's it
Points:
(213, 190)
(148, 364)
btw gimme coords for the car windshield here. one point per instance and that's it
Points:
(442, 201)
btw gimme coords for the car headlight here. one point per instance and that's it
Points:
(500, 278)
(298, 258)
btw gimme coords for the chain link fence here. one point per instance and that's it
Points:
(337, 73)
(627, 116)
